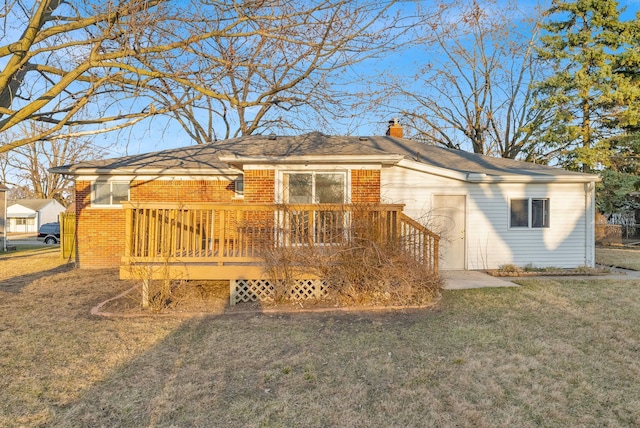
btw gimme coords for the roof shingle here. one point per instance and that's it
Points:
(208, 156)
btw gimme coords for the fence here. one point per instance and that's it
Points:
(68, 236)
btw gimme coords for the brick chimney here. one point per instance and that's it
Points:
(394, 130)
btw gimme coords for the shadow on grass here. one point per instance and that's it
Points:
(26, 251)
(249, 370)
(486, 357)
(17, 283)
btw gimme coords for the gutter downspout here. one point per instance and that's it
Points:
(588, 224)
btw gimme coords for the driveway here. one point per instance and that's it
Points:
(24, 239)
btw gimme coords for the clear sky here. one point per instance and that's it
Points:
(161, 133)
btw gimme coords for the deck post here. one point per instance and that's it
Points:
(145, 293)
(128, 231)
(232, 292)
(437, 254)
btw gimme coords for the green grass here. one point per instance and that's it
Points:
(623, 258)
(549, 353)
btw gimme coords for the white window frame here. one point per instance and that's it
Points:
(530, 225)
(110, 183)
(283, 194)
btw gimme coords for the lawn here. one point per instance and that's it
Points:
(618, 257)
(549, 353)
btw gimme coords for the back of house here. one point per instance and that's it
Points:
(487, 211)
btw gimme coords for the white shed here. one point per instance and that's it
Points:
(27, 215)
(491, 212)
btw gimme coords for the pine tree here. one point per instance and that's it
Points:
(591, 91)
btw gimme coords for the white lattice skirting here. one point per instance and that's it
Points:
(253, 290)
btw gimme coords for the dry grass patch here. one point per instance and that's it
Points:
(51, 350)
(549, 353)
(622, 258)
(29, 261)
(172, 297)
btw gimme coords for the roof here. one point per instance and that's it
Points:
(3, 188)
(223, 156)
(32, 204)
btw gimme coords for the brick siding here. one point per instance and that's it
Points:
(100, 231)
(182, 191)
(365, 185)
(259, 186)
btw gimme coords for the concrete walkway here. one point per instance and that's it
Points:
(464, 279)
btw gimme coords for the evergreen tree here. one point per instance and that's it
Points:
(591, 91)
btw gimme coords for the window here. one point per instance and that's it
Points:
(319, 188)
(238, 186)
(110, 192)
(540, 213)
(308, 225)
(533, 213)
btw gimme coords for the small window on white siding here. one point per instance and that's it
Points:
(110, 192)
(529, 213)
(539, 212)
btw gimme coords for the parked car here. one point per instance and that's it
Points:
(49, 233)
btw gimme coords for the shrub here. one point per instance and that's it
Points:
(368, 268)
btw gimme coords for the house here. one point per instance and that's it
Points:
(203, 203)
(27, 215)
(3, 216)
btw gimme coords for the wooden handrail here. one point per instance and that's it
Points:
(423, 244)
(406, 219)
(240, 233)
(263, 207)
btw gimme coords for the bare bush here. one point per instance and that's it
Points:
(363, 263)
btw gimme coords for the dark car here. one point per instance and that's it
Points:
(49, 233)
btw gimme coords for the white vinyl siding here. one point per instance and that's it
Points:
(490, 242)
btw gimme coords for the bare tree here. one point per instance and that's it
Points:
(475, 90)
(26, 168)
(104, 65)
(59, 59)
(283, 67)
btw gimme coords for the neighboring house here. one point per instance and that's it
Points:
(3, 214)
(488, 211)
(27, 215)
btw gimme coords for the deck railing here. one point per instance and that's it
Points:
(241, 233)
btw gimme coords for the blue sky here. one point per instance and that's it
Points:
(161, 133)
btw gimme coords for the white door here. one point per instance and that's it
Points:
(449, 215)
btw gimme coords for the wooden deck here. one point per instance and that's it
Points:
(229, 241)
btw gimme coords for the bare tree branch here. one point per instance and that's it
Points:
(475, 91)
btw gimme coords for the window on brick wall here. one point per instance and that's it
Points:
(109, 192)
(315, 187)
(238, 186)
(310, 225)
